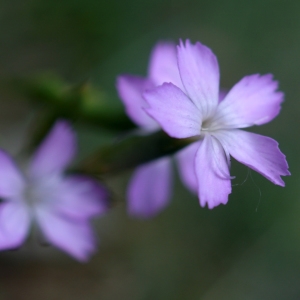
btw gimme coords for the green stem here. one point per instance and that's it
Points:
(132, 152)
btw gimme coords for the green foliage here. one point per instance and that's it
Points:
(86, 104)
(79, 102)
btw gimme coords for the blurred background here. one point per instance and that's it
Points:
(248, 249)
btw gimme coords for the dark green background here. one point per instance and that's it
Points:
(248, 249)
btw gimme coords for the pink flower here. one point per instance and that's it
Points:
(193, 109)
(61, 205)
(149, 190)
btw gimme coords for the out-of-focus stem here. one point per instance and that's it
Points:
(131, 152)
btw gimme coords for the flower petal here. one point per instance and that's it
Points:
(252, 101)
(14, 224)
(150, 188)
(258, 152)
(11, 180)
(174, 111)
(212, 171)
(55, 152)
(130, 89)
(199, 71)
(72, 236)
(222, 94)
(80, 197)
(186, 163)
(163, 65)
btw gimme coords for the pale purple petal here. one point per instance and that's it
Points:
(150, 188)
(186, 164)
(199, 71)
(55, 152)
(11, 180)
(214, 184)
(163, 65)
(254, 100)
(130, 89)
(258, 152)
(14, 224)
(72, 236)
(80, 197)
(174, 111)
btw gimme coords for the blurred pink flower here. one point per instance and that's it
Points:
(61, 205)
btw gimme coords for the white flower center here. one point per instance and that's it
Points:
(40, 191)
(210, 125)
(32, 195)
